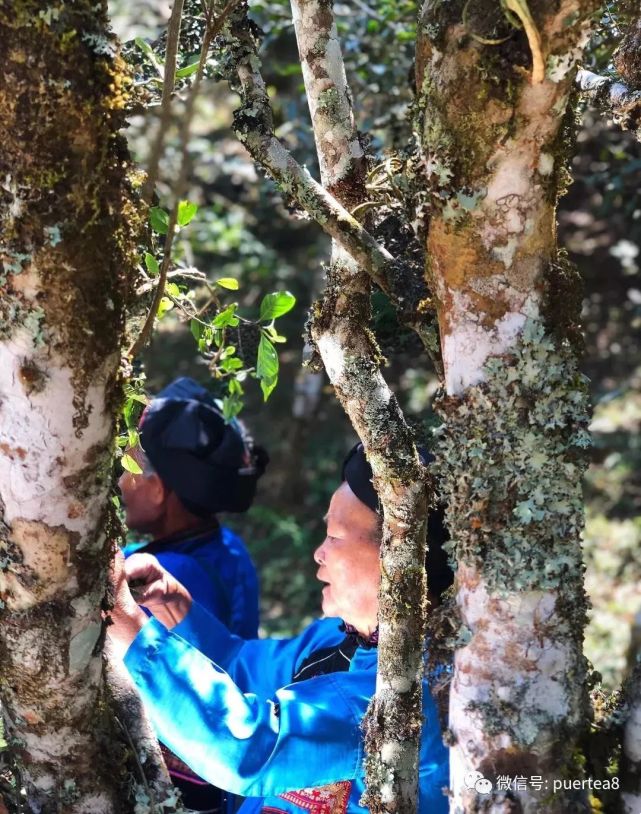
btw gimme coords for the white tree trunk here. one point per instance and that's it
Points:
(68, 229)
(516, 410)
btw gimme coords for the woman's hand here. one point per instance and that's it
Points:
(125, 618)
(154, 587)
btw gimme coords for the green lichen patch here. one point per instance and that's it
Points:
(511, 455)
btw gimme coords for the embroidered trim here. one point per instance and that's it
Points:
(330, 799)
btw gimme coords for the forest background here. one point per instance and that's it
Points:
(243, 230)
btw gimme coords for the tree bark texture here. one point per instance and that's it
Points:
(630, 765)
(68, 253)
(626, 88)
(614, 97)
(492, 112)
(351, 359)
(253, 124)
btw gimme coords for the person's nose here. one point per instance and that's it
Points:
(121, 480)
(319, 557)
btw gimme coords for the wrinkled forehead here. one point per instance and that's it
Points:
(347, 512)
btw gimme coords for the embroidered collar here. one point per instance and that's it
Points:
(366, 643)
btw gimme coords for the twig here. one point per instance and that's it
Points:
(521, 10)
(143, 776)
(177, 274)
(213, 27)
(171, 52)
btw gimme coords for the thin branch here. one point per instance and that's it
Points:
(253, 125)
(171, 52)
(178, 274)
(614, 97)
(521, 10)
(212, 28)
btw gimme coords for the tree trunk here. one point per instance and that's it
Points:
(351, 359)
(492, 120)
(68, 252)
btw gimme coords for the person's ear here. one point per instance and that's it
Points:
(157, 491)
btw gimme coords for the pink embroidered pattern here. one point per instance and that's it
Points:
(330, 799)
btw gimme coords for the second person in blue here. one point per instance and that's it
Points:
(195, 465)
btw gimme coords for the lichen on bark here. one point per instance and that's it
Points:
(512, 454)
(68, 227)
(493, 114)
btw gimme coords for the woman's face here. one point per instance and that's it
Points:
(348, 561)
(143, 496)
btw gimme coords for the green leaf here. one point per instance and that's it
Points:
(139, 397)
(226, 318)
(267, 366)
(232, 405)
(228, 282)
(273, 334)
(267, 387)
(130, 413)
(172, 289)
(276, 304)
(165, 305)
(186, 212)
(228, 365)
(144, 46)
(235, 387)
(132, 436)
(130, 465)
(188, 70)
(152, 264)
(197, 329)
(159, 220)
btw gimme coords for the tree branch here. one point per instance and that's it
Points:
(340, 331)
(169, 81)
(134, 722)
(212, 28)
(614, 97)
(403, 283)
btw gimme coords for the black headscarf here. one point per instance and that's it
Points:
(358, 474)
(211, 465)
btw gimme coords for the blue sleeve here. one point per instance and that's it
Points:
(193, 576)
(244, 595)
(305, 734)
(261, 665)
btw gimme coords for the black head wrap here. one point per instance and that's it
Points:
(358, 474)
(212, 466)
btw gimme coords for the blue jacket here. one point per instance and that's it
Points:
(216, 569)
(229, 709)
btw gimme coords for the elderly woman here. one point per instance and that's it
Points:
(278, 721)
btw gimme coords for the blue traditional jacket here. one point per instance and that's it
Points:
(215, 567)
(229, 708)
